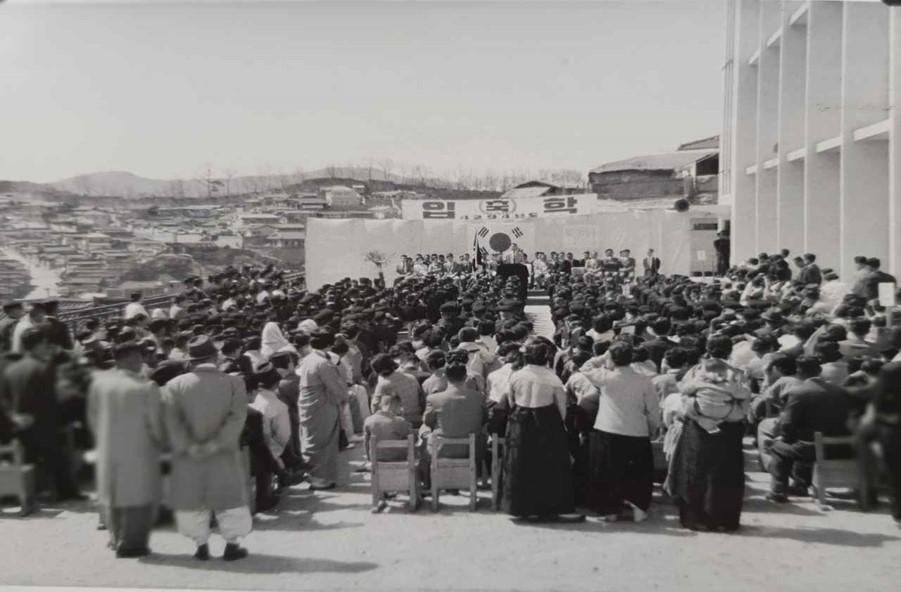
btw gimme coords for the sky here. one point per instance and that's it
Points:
(163, 89)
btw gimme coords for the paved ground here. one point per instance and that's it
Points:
(331, 541)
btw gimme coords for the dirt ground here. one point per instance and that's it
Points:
(331, 541)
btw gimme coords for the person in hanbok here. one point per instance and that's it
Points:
(321, 393)
(273, 340)
(124, 413)
(205, 411)
(537, 481)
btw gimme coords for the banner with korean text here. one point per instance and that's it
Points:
(523, 208)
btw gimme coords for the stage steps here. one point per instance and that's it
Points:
(538, 309)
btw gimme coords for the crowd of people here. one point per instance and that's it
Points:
(248, 364)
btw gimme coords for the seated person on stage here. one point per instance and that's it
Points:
(610, 264)
(386, 424)
(814, 406)
(627, 260)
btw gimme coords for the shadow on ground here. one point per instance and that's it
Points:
(262, 564)
(825, 536)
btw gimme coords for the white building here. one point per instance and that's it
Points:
(339, 196)
(810, 153)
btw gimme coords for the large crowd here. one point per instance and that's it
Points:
(644, 374)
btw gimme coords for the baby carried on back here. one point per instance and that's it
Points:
(714, 392)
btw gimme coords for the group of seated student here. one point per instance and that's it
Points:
(769, 350)
(540, 267)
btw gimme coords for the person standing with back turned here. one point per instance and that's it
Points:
(205, 411)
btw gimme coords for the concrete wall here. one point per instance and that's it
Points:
(636, 185)
(812, 159)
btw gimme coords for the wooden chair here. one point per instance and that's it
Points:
(842, 473)
(388, 476)
(250, 484)
(497, 466)
(660, 465)
(16, 477)
(453, 473)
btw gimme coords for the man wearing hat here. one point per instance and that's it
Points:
(35, 317)
(13, 311)
(125, 416)
(134, 308)
(276, 418)
(58, 332)
(205, 411)
(30, 385)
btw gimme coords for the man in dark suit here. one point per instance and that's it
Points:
(813, 406)
(874, 277)
(810, 273)
(567, 264)
(30, 386)
(13, 311)
(659, 342)
(456, 412)
(58, 332)
(722, 246)
(651, 264)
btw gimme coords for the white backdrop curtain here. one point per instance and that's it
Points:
(336, 249)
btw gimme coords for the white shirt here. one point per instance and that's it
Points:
(537, 386)
(499, 382)
(133, 309)
(276, 421)
(628, 404)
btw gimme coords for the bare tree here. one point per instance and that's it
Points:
(206, 174)
(229, 174)
(387, 165)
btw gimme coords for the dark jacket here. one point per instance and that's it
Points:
(814, 406)
(810, 274)
(30, 387)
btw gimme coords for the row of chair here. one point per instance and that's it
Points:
(446, 473)
(461, 474)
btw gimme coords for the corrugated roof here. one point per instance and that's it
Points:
(711, 143)
(667, 161)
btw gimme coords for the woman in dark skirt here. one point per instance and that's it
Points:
(537, 469)
(707, 476)
(707, 472)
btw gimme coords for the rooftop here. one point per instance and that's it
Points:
(666, 161)
(711, 143)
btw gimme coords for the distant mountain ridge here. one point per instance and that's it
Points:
(129, 185)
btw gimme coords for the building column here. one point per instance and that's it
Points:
(767, 129)
(822, 207)
(790, 173)
(744, 124)
(894, 165)
(864, 162)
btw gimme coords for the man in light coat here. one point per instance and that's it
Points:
(205, 411)
(322, 391)
(125, 416)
